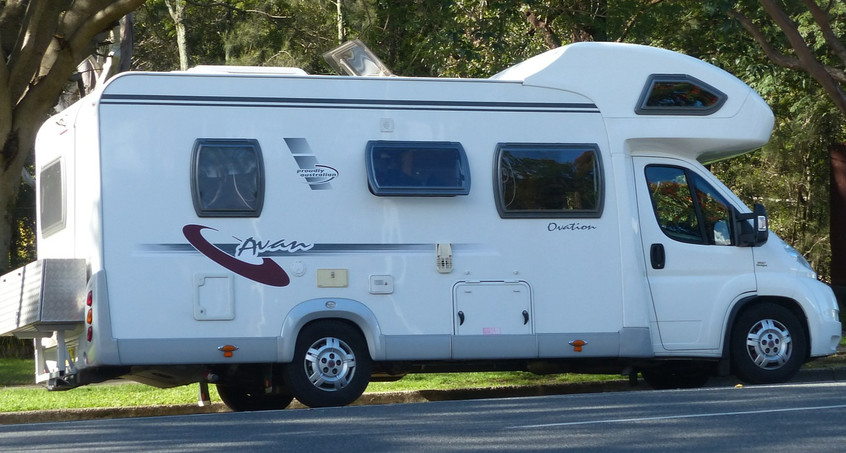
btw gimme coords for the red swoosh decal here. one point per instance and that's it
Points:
(268, 272)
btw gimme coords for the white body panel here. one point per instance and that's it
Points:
(519, 287)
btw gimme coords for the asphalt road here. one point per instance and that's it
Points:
(798, 417)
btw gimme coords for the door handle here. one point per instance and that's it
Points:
(460, 318)
(525, 317)
(657, 256)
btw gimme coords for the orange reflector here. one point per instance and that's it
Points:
(90, 316)
(577, 345)
(227, 350)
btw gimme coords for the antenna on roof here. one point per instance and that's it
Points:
(354, 58)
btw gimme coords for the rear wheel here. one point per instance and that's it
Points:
(768, 344)
(240, 398)
(331, 365)
(676, 377)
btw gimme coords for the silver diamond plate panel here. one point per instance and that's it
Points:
(42, 293)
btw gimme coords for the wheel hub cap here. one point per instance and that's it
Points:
(330, 364)
(769, 344)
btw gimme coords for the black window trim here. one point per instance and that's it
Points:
(395, 191)
(643, 109)
(195, 190)
(549, 214)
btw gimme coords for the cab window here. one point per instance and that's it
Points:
(687, 208)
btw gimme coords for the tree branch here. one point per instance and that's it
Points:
(822, 20)
(75, 36)
(633, 20)
(837, 74)
(770, 51)
(241, 10)
(36, 31)
(11, 17)
(549, 37)
(806, 57)
(5, 99)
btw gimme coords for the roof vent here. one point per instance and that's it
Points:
(354, 58)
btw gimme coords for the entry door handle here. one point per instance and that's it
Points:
(657, 256)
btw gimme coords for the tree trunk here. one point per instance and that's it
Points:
(42, 44)
(341, 35)
(10, 183)
(8, 196)
(176, 8)
(838, 215)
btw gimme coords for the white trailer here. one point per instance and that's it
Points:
(285, 235)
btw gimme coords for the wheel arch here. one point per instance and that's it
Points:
(346, 310)
(750, 301)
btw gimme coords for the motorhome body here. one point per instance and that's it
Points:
(288, 235)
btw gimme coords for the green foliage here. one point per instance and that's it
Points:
(12, 348)
(22, 250)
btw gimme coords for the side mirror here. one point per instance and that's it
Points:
(753, 235)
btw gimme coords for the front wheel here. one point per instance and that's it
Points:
(331, 365)
(768, 344)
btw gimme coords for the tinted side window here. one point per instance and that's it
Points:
(687, 208)
(52, 198)
(716, 214)
(227, 178)
(548, 180)
(422, 169)
(669, 94)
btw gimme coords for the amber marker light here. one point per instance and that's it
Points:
(228, 350)
(577, 345)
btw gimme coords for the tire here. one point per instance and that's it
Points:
(242, 398)
(331, 365)
(768, 344)
(669, 377)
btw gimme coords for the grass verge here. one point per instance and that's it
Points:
(17, 393)
(16, 372)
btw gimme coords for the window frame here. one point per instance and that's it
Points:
(599, 185)
(199, 144)
(388, 190)
(652, 80)
(61, 222)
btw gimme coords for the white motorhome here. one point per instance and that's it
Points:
(293, 236)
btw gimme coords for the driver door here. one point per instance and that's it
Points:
(694, 269)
